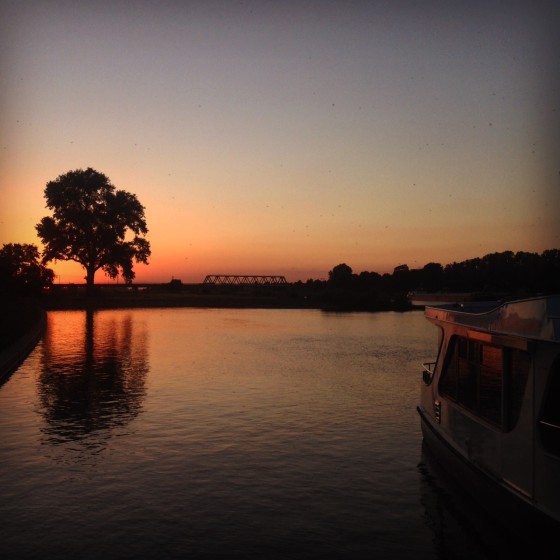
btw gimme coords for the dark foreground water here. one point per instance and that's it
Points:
(189, 433)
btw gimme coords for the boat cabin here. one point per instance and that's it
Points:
(491, 400)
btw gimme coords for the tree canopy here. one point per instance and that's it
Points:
(21, 271)
(506, 272)
(93, 224)
(340, 275)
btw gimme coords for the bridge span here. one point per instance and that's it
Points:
(244, 280)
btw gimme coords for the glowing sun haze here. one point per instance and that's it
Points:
(288, 137)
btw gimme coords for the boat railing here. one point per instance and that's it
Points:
(428, 372)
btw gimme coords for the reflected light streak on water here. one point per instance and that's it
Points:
(184, 433)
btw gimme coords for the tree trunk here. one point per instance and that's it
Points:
(90, 281)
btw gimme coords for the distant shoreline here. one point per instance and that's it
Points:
(275, 299)
(142, 300)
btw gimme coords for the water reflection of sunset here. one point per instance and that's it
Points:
(92, 377)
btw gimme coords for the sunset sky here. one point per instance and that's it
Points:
(286, 137)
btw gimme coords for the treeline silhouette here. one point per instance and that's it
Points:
(495, 275)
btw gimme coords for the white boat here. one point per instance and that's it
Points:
(422, 299)
(490, 407)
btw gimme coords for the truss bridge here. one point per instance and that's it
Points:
(242, 280)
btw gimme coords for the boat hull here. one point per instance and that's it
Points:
(513, 514)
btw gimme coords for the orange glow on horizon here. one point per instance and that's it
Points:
(252, 155)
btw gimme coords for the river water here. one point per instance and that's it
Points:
(210, 433)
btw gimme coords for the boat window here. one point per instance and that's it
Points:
(550, 420)
(491, 382)
(488, 380)
(441, 338)
(469, 371)
(430, 367)
(520, 364)
(448, 383)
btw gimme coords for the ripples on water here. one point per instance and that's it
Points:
(189, 433)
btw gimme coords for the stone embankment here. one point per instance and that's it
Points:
(15, 353)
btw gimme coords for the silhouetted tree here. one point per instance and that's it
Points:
(551, 270)
(94, 225)
(21, 272)
(432, 276)
(369, 280)
(528, 271)
(402, 268)
(402, 278)
(340, 275)
(504, 275)
(465, 276)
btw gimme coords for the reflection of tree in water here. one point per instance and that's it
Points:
(93, 376)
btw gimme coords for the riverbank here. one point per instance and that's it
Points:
(222, 297)
(138, 299)
(21, 326)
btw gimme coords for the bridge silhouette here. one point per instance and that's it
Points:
(244, 280)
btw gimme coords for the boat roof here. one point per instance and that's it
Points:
(535, 318)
